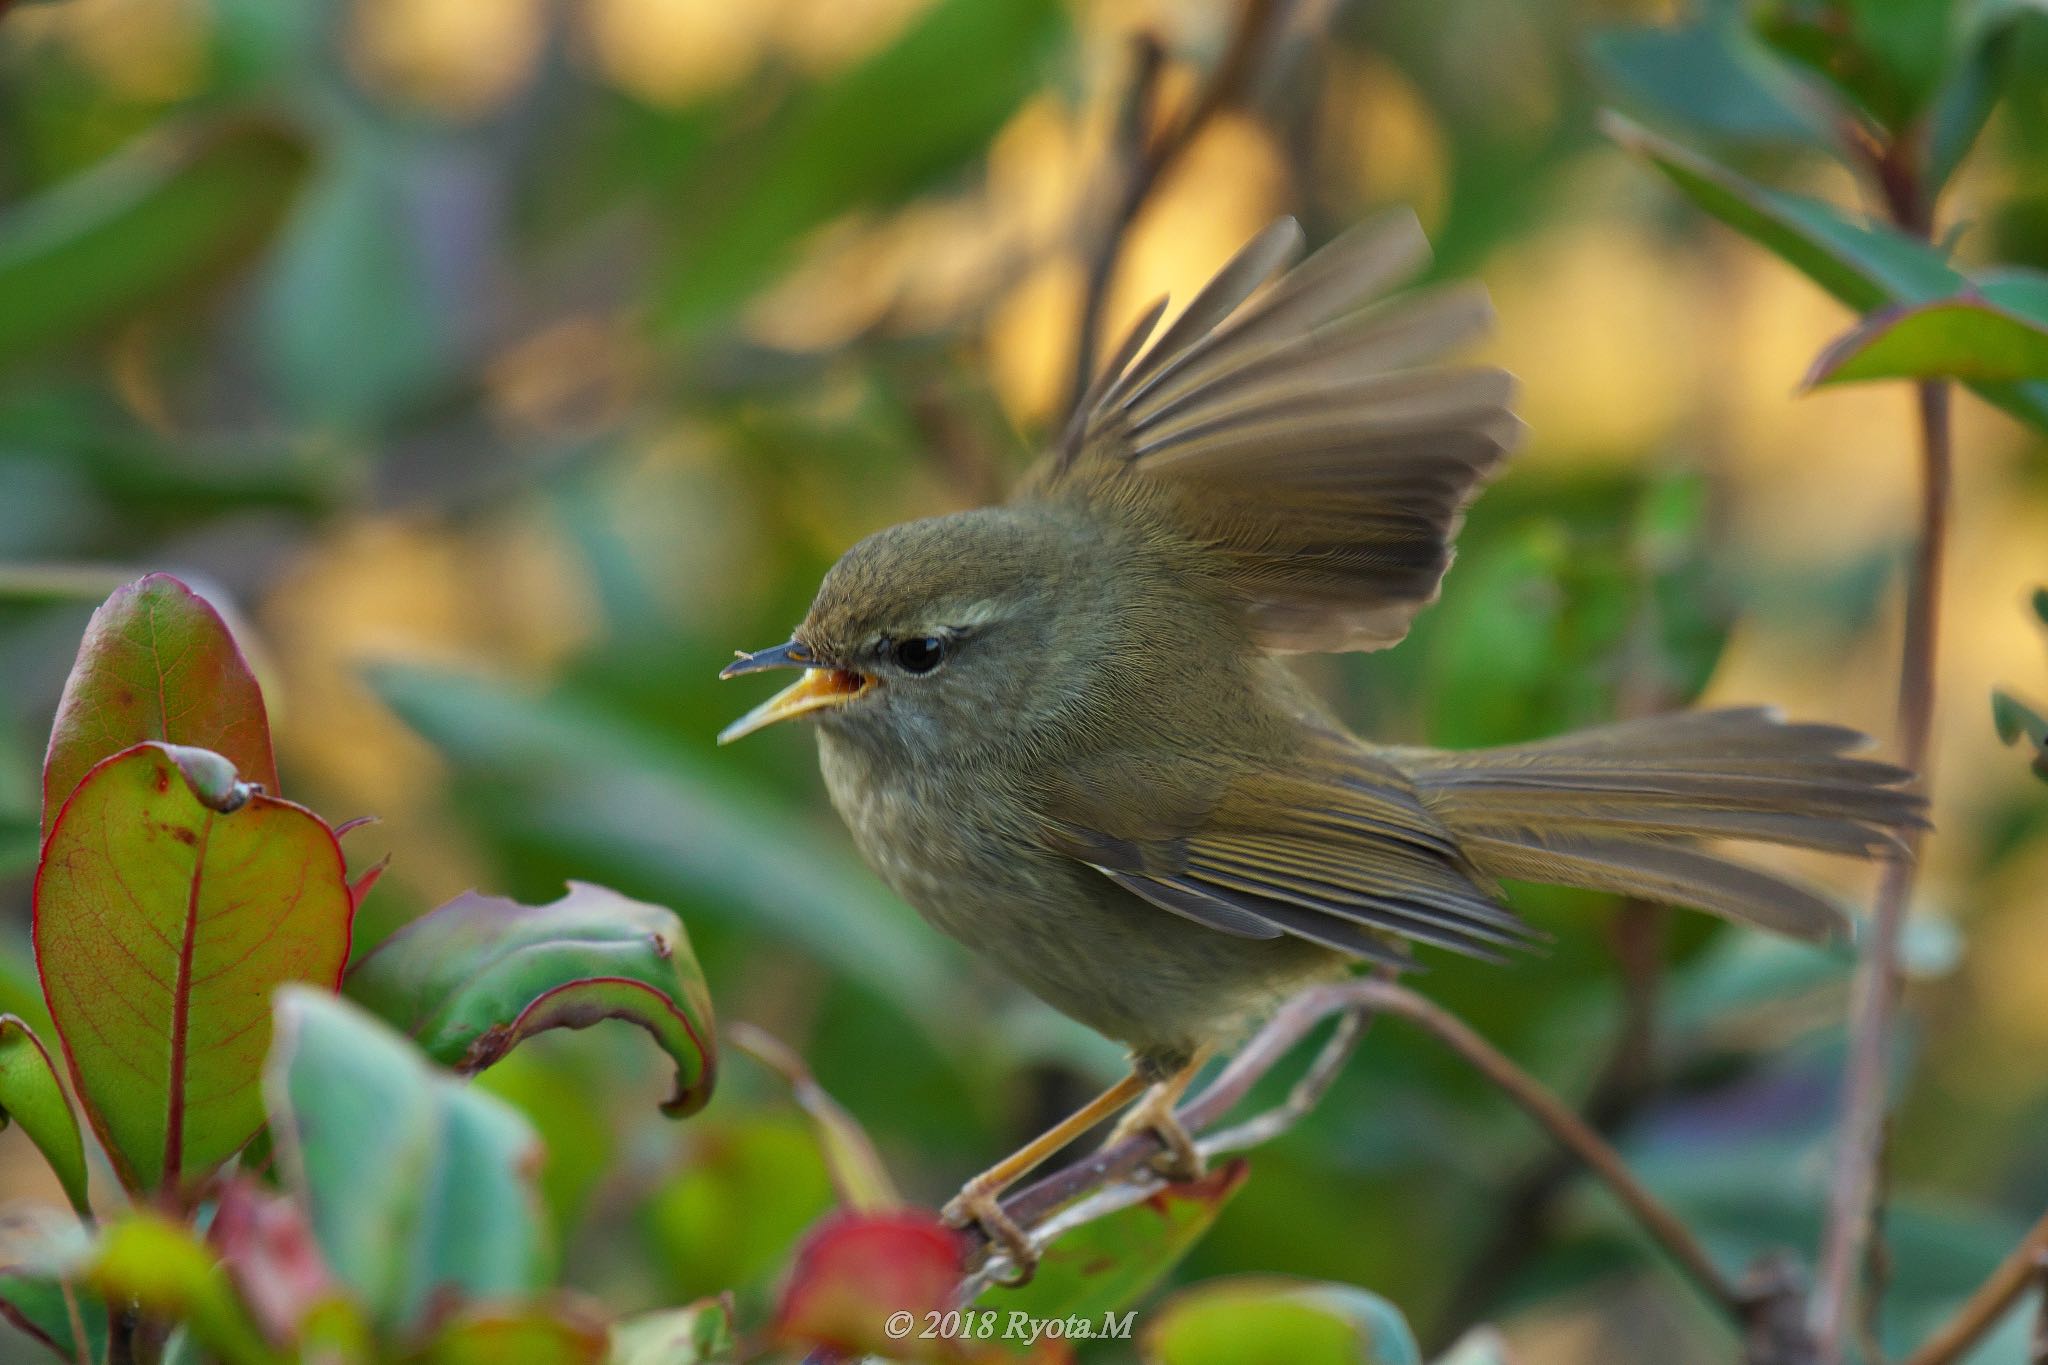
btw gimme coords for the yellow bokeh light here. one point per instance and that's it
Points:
(672, 52)
(824, 35)
(1598, 320)
(152, 51)
(1380, 141)
(457, 58)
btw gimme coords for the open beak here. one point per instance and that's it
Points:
(819, 689)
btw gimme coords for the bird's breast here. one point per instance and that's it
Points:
(946, 843)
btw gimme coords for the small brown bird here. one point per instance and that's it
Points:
(1059, 728)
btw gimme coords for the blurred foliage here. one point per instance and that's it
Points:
(511, 364)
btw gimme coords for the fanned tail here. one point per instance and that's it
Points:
(1622, 808)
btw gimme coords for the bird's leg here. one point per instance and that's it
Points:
(979, 1199)
(1154, 1114)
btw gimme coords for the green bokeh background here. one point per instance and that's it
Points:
(504, 366)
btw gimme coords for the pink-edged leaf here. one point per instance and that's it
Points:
(853, 1271)
(268, 1249)
(157, 662)
(360, 887)
(162, 927)
(472, 979)
(1969, 336)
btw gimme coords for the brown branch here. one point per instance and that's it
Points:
(1992, 1301)
(1617, 1092)
(1115, 1177)
(1850, 1233)
(1139, 160)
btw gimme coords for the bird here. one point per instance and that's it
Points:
(1065, 729)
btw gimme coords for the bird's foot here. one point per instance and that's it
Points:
(1181, 1160)
(980, 1205)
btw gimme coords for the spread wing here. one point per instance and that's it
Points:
(1337, 850)
(1302, 436)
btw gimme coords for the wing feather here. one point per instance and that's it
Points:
(1301, 432)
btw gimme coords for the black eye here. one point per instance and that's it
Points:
(920, 655)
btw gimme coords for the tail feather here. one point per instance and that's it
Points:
(1620, 808)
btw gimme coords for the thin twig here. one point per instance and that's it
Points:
(1617, 1092)
(1850, 1231)
(1139, 160)
(1104, 1178)
(858, 1176)
(1992, 1301)
(2037, 1341)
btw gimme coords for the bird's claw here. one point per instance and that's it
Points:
(1182, 1160)
(976, 1205)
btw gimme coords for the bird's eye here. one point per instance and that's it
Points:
(922, 654)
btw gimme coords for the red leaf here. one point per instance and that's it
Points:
(162, 928)
(360, 887)
(854, 1270)
(270, 1254)
(157, 662)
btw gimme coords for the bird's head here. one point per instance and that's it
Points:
(964, 630)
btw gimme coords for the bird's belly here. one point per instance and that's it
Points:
(1126, 968)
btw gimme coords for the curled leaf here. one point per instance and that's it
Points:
(472, 979)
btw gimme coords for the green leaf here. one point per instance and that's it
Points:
(1888, 56)
(43, 1260)
(163, 1267)
(532, 1334)
(179, 206)
(1112, 1262)
(1997, 331)
(700, 1334)
(1711, 78)
(471, 980)
(156, 662)
(2016, 720)
(420, 1187)
(743, 1191)
(1865, 265)
(1257, 1317)
(352, 331)
(1868, 266)
(53, 1311)
(1976, 80)
(162, 927)
(2041, 604)
(32, 1096)
(872, 134)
